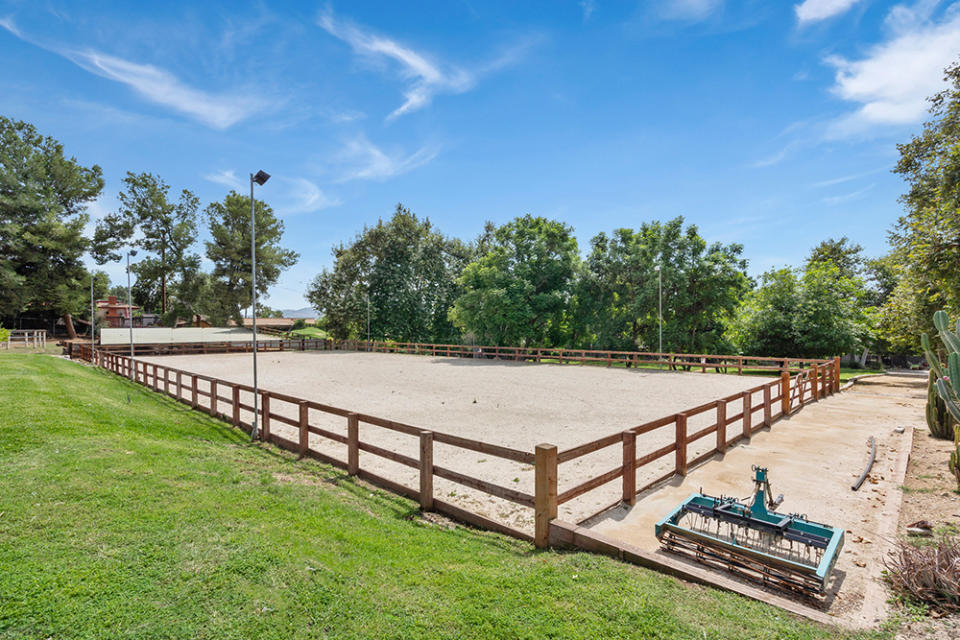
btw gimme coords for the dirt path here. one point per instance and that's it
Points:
(813, 459)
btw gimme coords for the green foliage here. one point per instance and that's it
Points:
(402, 272)
(617, 294)
(4, 334)
(517, 291)
(229, 250)
(43, 195)
(818, 312)
(126, 515)
(940, 422)
(299, 323)
(845, 255)
(947, 380)
(162, 230)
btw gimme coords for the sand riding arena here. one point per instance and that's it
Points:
(481, 423)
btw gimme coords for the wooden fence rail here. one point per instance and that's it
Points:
(672, 361)
(780, 397)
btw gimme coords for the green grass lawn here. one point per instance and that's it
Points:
(308, 332)
(126, 515)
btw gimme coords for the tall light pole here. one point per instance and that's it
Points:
(93, 333)
(660, 309)
(260, 178)
(132, 252)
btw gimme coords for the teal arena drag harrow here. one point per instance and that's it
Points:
(788, 552)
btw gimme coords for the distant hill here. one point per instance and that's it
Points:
(305, 312)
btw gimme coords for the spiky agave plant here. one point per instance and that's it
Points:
(948, 380)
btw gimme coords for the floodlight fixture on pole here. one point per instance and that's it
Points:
(132, 252)
(259, 178)
(660, 309)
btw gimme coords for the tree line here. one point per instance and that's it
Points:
(525, 282)
(43, 239)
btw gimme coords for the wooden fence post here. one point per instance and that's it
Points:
(681, 440)
(156, 385)
(166, 381)
(739, 365)
(767, 421)
(814, 386)
(236, 406)
(545, 493)
(304, 428)
(193, 389)
(353, 444)
(721, 426)
(179, 385)
(785, 393)
(747, 413)
(213, 398)
(265, 416)
(426, 470)
(630, 467)
(836, 372)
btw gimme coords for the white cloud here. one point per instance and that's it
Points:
(815, 10)
(427, 77)
(688, 9)
(299, 195)
(849, 178)
(894, 79)
(226, 177)
(847, 197)
(8, 24)
(363, 160)
(588, 7)
(305, 197)
(157, 85)
(162, 87)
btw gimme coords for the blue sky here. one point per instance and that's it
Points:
(772, 124)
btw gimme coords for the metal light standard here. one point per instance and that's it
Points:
(93, 333)
(132, 252)
(260, 178)
(660, 309)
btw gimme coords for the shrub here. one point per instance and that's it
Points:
(4, 334)
(299, 323)
(928, 574)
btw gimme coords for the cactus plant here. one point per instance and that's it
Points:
(947, 380)
(939, 420)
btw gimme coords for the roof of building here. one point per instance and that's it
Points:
(169, 335)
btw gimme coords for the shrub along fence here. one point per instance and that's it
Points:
(751, 410)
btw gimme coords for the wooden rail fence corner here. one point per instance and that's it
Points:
(545, 492)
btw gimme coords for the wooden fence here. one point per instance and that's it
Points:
(778, 398)
(35, 338)
(672, 361)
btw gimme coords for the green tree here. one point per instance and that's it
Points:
(518, 290)
(817, 312)
(845, 255)
(407, 271)
(928, 235)
(229, 250)
(43, 196)
(149, 221)
(617, 301)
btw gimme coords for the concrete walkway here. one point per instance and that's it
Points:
(813, 458)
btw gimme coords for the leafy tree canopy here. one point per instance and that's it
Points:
(229, 250)
(517, 291)
(400, 275)
(43, 195)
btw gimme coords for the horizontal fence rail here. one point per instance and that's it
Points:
(746, 411)
(36, 338)
(672, 361)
